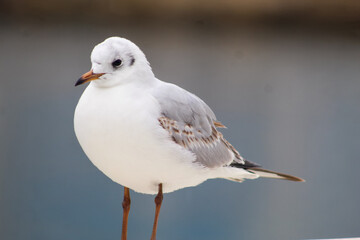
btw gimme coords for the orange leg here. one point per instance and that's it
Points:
(158, 201)
(126, 208)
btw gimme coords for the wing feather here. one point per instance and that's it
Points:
(192, 124)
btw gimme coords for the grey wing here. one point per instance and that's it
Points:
(192, 124)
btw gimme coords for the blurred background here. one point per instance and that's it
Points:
(283, 76)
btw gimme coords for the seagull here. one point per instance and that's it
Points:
(148, 135)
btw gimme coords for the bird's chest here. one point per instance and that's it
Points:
(121, 135)
(113, 125)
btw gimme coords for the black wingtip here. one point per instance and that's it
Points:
(246, 165)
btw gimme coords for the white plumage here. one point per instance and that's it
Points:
(118, 124)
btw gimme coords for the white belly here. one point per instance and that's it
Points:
(119, 132)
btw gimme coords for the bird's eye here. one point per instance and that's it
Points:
(116, 63)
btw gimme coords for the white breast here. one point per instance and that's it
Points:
(119, 131)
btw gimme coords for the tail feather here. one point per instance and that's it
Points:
(271, 174)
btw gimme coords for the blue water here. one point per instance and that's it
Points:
(290, 99)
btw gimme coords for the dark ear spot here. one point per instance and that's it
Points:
(132, 61)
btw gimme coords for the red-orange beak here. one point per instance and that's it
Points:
(87, 77)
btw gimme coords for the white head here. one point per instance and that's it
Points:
(117, 61)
